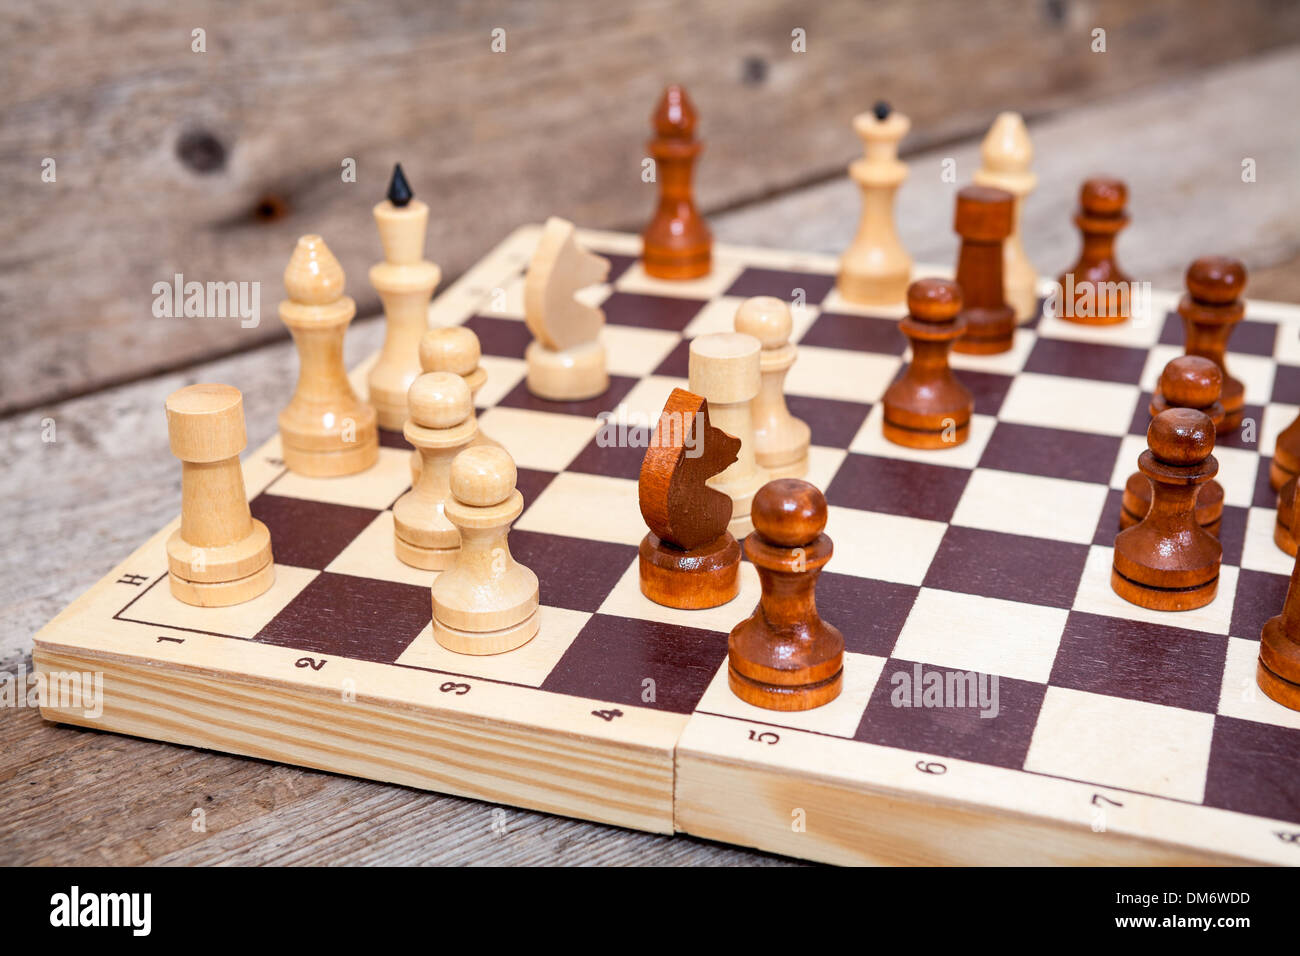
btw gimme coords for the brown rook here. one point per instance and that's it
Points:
(984, 219)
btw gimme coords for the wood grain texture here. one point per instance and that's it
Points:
(209, 164)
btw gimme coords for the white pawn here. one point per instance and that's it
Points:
(725, 370)
(486, 603)
(780, 440)
(453, 349)
(440, 427)
(1006, 154)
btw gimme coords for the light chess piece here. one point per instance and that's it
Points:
(876, 269)
(781, 441)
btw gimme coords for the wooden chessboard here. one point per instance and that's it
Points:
(1121, 735)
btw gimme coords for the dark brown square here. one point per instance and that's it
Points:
(309, 534)
(607, 401)
(1108, 523)
(1265, 496)
(574, 573)
(869, 613)
(1286, 385)
(956, 732)
(532, 483)
(897, 487)
(1139, 661)
(1051, 452)
(1008, 566)
(857, 332)
(782, 284)
(833, 422)
(987, 388)
(670, 313)
(1260, 595)
(505, 337)
(677, 363)
(613, 461)
(1248, 338)
(1106, 363)
(1237, 437)
(618, 264)
(1232, 533)
(366, 619)
(393, 439)
(613, 657)
(1254, 768)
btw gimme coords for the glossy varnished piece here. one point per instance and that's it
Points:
(927, 407)
(1168, 562)
(1211, 309)
(1278, 673)
(984, 219)
(784, 656)
(1188, 381)
(1095, 290)
(677, 243)
(1006, 155)
(689, 559)
(1284, 527)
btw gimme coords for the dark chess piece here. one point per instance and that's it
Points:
(1211, 309)
(677, 243)
(1085, 286)
(984, 218)
(689, 559)
(1168, 562)
(1278, 673)
(1188, 381)
(784, 656)
(927, 407)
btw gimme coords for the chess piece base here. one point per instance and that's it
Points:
(428, 559)
(707, 576)
(884, 289)
(946, 437)
(317, 463)
(222, 593)
(787, 697)
(1278, 674)
(689, 262)
(569, 375)
(200, 565)
(486, 642)
(1279, 475)
(988, 331)
(1164, 599)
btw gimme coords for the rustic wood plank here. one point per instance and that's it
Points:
(210, 164)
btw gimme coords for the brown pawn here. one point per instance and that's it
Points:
(678, 243)
(927, 407)
(1278, 672)
(1100, 217)
(1284, 526)
(689, 559)
(1168, 562)
(784, 656)
(984, 219)
(1188, 381)
(1211, 309)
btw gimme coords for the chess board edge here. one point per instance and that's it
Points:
(650, 769)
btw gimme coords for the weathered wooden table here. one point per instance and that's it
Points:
(73, 507)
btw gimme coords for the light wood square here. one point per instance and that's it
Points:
(634, 351)
(835, 373)
(587, 506)
(1053, 401)
(546, 441)
(645, 402)
(1140, 331)
(1277, 417)
(884, 547)
(626, 600)
(503, 374)
(1122, 743)
(1256, 372)
(377, 487)
(1095, 596)
(1157, 359)
(1240, 695)
(823, 463)
(1126, 462)
(157, 606)
(1031, 505)
(969, 632)
(1003, 363)
(1259, 552)
(528, 665)
(840, 717)
(871, 440)
(837, 304)
(1287, 349)
(371, 554)
(711, 286)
